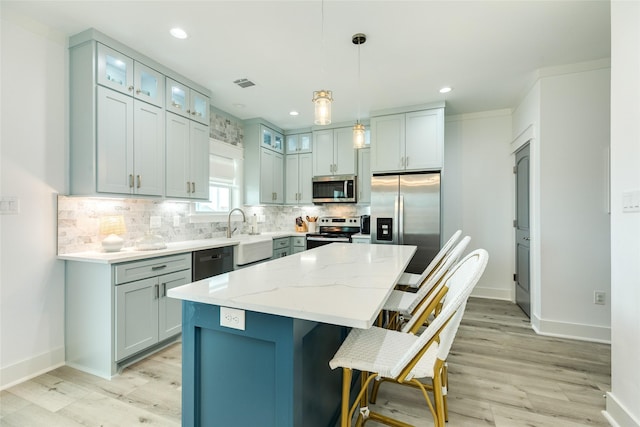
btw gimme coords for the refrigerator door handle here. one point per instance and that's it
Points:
(400, 216)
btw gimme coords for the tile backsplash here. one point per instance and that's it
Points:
(78, 220)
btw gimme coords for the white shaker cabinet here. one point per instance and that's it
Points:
(333, 152)
(408, 141)
(271, 177)
(187, 173)
(299, 175)
(263, 164)
(117, 123)
(130, 158)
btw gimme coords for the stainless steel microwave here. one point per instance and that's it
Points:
(334, 189)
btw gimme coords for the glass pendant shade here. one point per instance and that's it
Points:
(358, 135)
(322, 101)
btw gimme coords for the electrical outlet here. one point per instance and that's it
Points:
(232, 318)
(599, 297)
(176, 221)
(155, 222)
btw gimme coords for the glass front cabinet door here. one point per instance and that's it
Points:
(199, 107)
(115, 70)
(187, 102)
(272, 139)
(177, 98)
(148, 84)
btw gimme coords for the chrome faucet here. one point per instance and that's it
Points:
(229, 231)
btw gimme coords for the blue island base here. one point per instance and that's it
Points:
(275, 372)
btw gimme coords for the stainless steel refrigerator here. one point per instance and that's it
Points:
(405, 210)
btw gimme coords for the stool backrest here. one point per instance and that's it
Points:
(439, 256)
(459, 281)
(431, 290)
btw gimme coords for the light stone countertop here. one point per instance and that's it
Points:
(341, 284)
(131, 254)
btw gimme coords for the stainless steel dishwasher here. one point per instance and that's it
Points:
(211, 262)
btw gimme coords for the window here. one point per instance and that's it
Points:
(225, 180)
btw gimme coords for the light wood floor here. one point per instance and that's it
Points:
(501, 374)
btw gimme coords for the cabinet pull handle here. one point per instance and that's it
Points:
(188, 111)
(406, 161)
(158, 267)
(139, 181)
(130, 180)
(130, 88)
(157, 289)
(193, 187)
(164, 289)
(188, 187)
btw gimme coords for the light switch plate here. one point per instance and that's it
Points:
(9, 206)
(232, 318)
(631, 201)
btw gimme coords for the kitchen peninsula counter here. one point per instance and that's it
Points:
(288, 317)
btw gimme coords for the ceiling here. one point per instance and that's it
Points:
(488, 51)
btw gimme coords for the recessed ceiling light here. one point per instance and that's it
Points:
(293, 113)
(239, 106)
(178, 33)
(446, 89)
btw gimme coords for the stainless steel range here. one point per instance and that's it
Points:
(333, 229)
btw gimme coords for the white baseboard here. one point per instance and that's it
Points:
(617, 415)
(493, 293)
(576, 331)
(30, 368)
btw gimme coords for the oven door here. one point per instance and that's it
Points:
(313, 241)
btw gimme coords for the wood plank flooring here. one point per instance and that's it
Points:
(501, 374)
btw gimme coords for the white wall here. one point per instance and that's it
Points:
(565, 117)
(32, 158)
(478, 193)
(623, 402)
(575, 235)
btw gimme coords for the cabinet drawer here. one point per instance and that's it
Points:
(280, 243)
(298, 241)
(280, 253)
(135, 270)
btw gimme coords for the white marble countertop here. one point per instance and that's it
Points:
(131, 254)
(341, 284)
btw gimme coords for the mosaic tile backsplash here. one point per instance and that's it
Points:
(78, 220)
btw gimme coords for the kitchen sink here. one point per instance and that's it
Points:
(252, 249)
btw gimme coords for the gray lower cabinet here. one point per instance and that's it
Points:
(144, 313)
(281, 247)
(298, 244)
(116, 314)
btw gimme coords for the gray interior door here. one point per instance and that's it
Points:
(523, 297)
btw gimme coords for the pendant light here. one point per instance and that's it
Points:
(322, 98)
(358, 128)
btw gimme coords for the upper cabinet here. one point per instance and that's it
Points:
(123, 74)
(271, 139)
(118, 123)
(299, 143)
(187, 102)
(187, 158)
(333, 152)
(408, 142)
(263, 164)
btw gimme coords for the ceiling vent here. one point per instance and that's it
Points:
(244, 83)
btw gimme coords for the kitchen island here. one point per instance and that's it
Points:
(257, 341)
